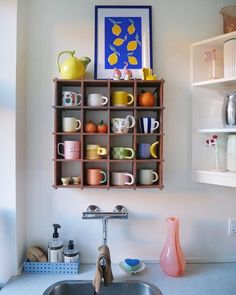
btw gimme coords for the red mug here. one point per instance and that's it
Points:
(94, 176)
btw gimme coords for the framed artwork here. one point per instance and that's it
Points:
(123, 37)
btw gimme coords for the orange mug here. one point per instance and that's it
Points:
(94, 176)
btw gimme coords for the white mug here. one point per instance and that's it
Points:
(148, 125)
(122, 178)
(96, 99)
(147, 176)
(122, 125)
(71, 124)
(71, 98)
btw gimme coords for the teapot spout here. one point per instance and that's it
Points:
(85, 60)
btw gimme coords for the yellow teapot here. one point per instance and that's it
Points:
(72, 68)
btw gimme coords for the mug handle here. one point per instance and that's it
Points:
(152, 147)
(155, 125)
(132, 179)
(105, 100)
(132, 121)
(79, 124)
(79, 100)
(101, 151)
(155, 176)
(132, 153)
(58, 148)
(131, 99)
(105, 177)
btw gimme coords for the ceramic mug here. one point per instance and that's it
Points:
(71, 98)
(144, 150)
(71, 149)
(122, 125)
(148, 125)
(70, 124)
(94, 176)
(121, 153)
(94, 151)
(96, 99)
(147, 176)
(122, 178)
(65, 180)
(121, 98)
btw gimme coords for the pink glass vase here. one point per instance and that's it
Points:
(172, 259)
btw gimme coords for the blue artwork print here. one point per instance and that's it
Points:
(123, 42)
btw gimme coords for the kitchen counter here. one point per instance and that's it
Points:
(199, 279)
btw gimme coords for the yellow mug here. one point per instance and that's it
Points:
(122, 98)
(94, 152)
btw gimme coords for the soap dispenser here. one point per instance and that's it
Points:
(71, 254)
(55, 246)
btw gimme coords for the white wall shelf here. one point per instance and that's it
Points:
(224, 178)
(217, 130)
(208, 110)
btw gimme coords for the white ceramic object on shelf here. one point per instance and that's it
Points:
(231, 153)
(230, 58)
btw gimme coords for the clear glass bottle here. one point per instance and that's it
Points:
(230, 110)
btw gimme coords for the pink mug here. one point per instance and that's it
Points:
(94, 176)
(71, 149)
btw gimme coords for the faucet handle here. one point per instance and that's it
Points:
(120, 209)
(92, 208)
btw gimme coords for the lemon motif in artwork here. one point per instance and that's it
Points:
(132, 45)
(119, 41)
(113, 57)
(116, 29)
(132, 59)
(131, 28)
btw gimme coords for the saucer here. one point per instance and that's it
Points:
(122, 266)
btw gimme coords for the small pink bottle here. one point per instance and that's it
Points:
(172, 259)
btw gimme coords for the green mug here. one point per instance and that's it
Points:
(122, 153)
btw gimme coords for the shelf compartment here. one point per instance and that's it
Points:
(225, 178)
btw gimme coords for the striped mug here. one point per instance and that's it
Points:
(148, 125)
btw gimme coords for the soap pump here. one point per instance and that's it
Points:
(55, 246)
(71, 254)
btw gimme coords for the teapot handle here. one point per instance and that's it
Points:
(59, 55)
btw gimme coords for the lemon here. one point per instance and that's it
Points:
(113, 57)
(119, 41)
(132, 45)
(131, 28)
(132, 60)
(116, 29)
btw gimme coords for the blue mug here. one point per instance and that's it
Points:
(148, 125)
(147, 150)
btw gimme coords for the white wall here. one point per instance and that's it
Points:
(54, 26)
(7, 131)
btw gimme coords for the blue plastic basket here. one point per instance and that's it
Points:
(51, 268)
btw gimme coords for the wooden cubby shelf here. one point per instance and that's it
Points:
(67, 169)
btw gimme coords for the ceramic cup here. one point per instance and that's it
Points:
(122, 178)
(65, 180)
(148, 125)
(71, 149)
(147, 176)
(121, 98)
(144, 150)
(122, 125)
(70, 124)
(121, 153)
(76, 179)
(96, 99)
(71, 98)
(95, 176)
(94, 151)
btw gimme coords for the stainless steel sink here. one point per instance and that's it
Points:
(115, 288)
